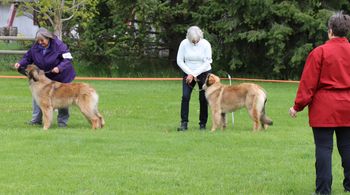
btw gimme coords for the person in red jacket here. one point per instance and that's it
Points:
(325, 88)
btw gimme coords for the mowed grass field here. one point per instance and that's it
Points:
(140, 152)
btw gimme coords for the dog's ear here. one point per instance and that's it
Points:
(210, 79)
(207, 80)
(31, 76)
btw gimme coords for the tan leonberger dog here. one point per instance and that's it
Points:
(50, 95)
(226, 98)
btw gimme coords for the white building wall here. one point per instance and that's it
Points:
(24, 24)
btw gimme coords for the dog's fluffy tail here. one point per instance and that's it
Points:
(264, 118)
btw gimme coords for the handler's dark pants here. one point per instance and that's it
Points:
(186, 96)
(323, 138)
(62, 117)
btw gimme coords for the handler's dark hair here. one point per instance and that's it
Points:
(339, 23)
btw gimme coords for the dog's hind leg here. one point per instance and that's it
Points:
(91, 117)
(254, 113)
(102, 121)
(256, 119)
(87, 107)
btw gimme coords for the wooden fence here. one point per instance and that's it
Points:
(14, 38)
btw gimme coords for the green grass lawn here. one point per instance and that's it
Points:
(140, 152)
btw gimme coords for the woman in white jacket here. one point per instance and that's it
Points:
(194, 57)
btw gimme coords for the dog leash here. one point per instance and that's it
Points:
(47, 72)
(193, 88)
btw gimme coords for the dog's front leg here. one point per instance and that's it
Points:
(47, 116)
(216, 119)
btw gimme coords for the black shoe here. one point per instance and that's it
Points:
(62, 125)
(317, 193)
(202, 127)
(34, 123)
(183, 127)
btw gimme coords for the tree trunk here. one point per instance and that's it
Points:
(58, 24)
(58, 30)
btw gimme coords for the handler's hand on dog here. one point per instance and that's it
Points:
(292, 112)
(189, 79)
(55, 70)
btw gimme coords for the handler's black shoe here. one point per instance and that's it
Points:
(317, 193)
(202, 127)
(183, 127)
(62, 125)
(34, 123)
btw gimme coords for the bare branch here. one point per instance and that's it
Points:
(70, 17)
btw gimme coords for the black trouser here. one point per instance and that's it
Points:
(186, 96)
(323, 138)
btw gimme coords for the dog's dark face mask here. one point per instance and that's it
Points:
(206, 83)
(32, 73)
(209, 80)
(22, 70)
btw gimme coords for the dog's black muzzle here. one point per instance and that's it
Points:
(22, 70)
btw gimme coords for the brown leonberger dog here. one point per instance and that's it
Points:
(226, 98)
(50, 95)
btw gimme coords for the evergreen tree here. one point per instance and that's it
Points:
(253, 38)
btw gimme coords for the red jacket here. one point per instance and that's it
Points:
(325, 85)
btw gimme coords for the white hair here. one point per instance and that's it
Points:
(194, 33)
(44, 33)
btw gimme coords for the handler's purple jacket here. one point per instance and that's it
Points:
(55, 55)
